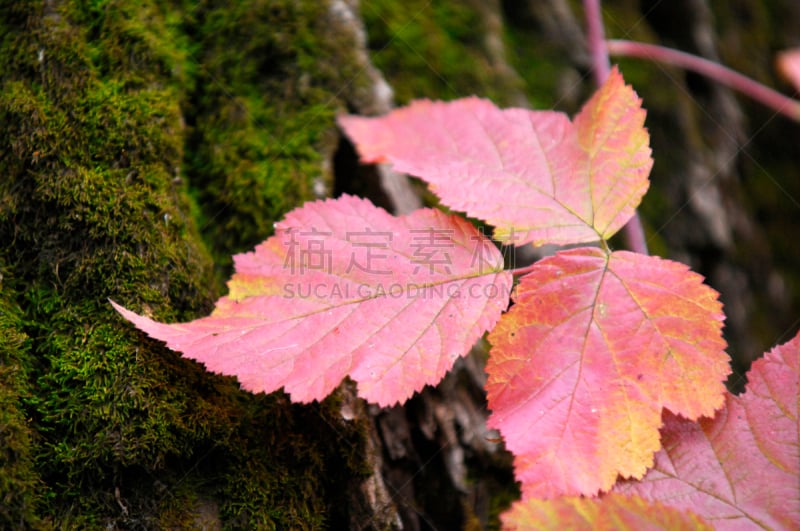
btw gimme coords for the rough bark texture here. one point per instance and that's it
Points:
(143, 144)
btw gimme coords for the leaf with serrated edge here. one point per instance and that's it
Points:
(610, 513)
(741, 469)
(534, 175)
(344, 288)
(582, 364)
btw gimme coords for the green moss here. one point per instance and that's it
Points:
(21, 489)
(432, 49)
(538, 63)
(108, 428)
(263, 115)
(91, 211)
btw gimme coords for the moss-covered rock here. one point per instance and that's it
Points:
(262, 114)
(103, 185)
(21, 490)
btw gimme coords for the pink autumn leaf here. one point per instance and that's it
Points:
(535, 175)
(595, 346)
(740, 469)
(345, 289)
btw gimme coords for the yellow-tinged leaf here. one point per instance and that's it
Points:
(613, 512)
(581, 366)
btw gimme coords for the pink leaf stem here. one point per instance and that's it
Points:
(749, 87)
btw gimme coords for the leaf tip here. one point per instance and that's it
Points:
(370, 141)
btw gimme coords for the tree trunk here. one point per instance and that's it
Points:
(143, 145)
